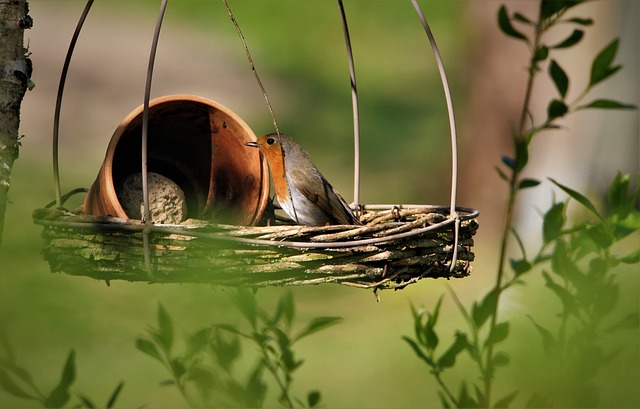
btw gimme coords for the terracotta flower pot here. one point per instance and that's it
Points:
(199, 145)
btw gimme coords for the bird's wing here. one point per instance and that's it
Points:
(328, 200)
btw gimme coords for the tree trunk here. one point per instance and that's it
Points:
(15, 73)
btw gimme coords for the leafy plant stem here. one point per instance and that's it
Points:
(176, 379)
(508, 220)
(529, 89)
(283, 385)
(445, 389)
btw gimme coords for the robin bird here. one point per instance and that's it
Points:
(303, 193)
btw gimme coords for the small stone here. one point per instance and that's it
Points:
(167, 202)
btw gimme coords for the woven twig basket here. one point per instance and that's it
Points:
(397, 244)
(394, 248)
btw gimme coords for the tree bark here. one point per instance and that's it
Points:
(15, 73)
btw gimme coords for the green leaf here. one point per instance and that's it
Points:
(548, 8)
(579, 198)
(601, 67)
(286, 354)
(430, 336)
(541, 54)
(443, 400)
(69, 371)
(13, 388)
(197, 342)
(506, 401)
(522, 154)
(448, 359)
(556, 109)
(317, 324)
(165, 328)
(631, 258)
(516, 236)
(480, 396)
(522, 18)
(60, 395)
(417, 324)
(504, 22)
(509, 161)
(549, 343)
(114, 395)
(600, 235)
(528, 183)
(565, 267)
(607, 104)
(287, 306)
(226, 352)
(618, 192)
(630, 222)
(570, 41)
(567, 299)
(559, 77)
(581, 21)
(520, 267)
(177, 367)
(418, 351)
(502, 175)
(485, 309)
(148, 348)
(86, 402)
(433, 317)
(8, 364)
(500, 359)
(246, 303)
(606, 299)
(256, 389)
(553, 222)
(313, 399)
(630, 321)
(464, 399)
(498, 334)
(233, 330)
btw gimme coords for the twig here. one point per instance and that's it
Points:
(253, 67)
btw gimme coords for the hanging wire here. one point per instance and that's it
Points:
(452, 127)
(146, 217)
(354, 103)
(253, 67)
(56, 115)
(263, 90)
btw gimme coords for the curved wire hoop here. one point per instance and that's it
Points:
(452, 128)
(448, 99)
(56, 115)
(457, 214)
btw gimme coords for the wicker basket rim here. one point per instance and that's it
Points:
(114, 224)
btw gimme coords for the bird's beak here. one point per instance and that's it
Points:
(252, 144)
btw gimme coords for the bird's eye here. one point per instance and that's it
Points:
(271, 141)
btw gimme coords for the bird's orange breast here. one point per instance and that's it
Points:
(277, 167)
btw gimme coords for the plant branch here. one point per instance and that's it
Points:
(273, 369)
(445, 389)
(508, 220)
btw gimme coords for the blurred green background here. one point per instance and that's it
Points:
(299, 52)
